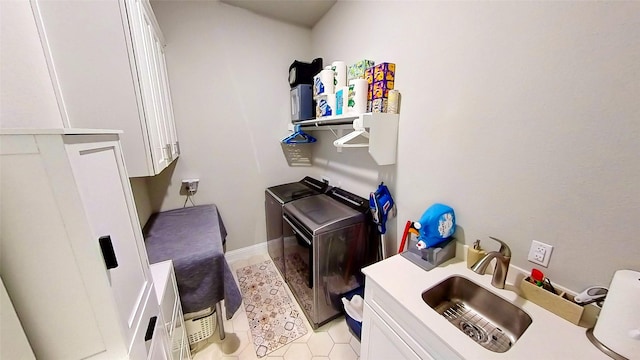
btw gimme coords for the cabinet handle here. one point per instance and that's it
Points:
(167, 152)
(108, 253)
(177, 145)
(150, 328)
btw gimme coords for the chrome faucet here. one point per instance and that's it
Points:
(503, 257)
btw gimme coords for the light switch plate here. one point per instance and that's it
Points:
(540, 253)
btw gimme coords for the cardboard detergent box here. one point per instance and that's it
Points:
(381, 89)
(384, 76)
(368, 75)
(370, 98)
(357, 70)
(379, 105)
(384, 72)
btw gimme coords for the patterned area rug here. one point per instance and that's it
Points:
(273, 317)
(297, 278)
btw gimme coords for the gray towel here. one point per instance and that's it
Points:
(193, 238)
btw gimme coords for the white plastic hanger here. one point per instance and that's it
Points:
(359, 131)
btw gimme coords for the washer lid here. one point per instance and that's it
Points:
(320, 213)
(297, 190)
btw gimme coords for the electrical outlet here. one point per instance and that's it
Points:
(540, 253)
(190, 185)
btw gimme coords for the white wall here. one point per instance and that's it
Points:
(354, 170)
(228, 70)
(521, 116)
(141, 197)
(27, 99)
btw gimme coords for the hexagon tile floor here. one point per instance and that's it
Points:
(333, 341)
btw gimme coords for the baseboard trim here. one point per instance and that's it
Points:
(246, 252)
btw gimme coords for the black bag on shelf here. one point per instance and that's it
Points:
(302, 72)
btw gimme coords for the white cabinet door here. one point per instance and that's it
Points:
(51, 264)
(13, 341)
(380, 342)
(170, 125)
(158, 350)
(162, 89)
(99, 171)
(141, 28)
(152, 73)
(391, 318)
(60, 194)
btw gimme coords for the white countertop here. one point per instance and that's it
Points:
(548, 337)
(160, 272)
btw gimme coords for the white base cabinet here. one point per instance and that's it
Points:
(107, 64)
(381, 341)
(389, 332)
(159, 349)
(73, 257)
(164, 279)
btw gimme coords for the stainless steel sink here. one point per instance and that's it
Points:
(485, 317)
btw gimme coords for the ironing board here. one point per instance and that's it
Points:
(194, 239)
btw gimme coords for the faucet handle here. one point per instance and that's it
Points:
(504, 248)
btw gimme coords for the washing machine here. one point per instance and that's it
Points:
(275, 198)
(328, 249)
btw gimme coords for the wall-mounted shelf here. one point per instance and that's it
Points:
(382, 131)
(323, 122)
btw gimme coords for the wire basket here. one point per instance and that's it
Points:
(297, 154)
(200, 329)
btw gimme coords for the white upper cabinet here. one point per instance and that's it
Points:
(148, 45)
(107, 64)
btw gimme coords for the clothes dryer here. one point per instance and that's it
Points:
(275, 198)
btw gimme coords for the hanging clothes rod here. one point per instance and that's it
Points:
(358, 133)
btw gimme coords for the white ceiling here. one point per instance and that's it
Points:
(304, 13)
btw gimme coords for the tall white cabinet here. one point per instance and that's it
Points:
(13, 341)
(72, 253)
(107, 64)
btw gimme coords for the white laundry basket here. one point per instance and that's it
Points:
(201, 328)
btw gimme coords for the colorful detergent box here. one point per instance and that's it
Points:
(384, 71)
(356, 71)
(379, 105)
(368, 75)
(381, 89)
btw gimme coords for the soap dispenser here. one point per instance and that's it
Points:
(474, 253)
